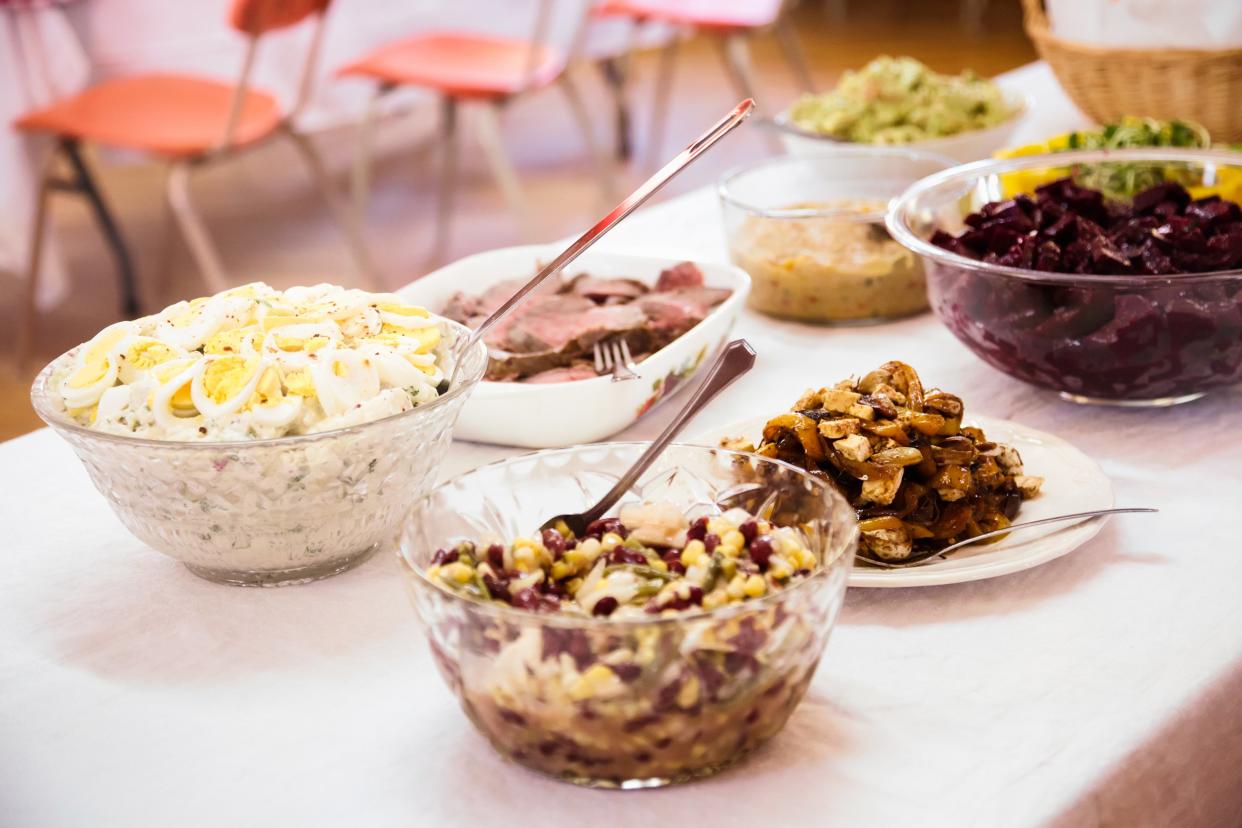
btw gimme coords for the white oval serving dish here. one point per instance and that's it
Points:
(554, 415)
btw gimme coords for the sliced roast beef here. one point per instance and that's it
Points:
(606, 291)
(550, 336)
(684, 275)
(672, 313)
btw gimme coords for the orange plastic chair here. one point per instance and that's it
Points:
(730, 22)
(187, 121)
(484, 70)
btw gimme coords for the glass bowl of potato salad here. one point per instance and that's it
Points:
(264, 437)
(662, 644)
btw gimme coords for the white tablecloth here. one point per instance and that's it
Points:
(1100, 689)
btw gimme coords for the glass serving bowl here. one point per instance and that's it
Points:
(268, 512)
(1118, 339)
(810, 232)
(697, 691)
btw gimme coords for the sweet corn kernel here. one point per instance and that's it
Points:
(610, 541)
(573, 585)
(714, 599)
(688, 695)
(737, 586)
(524, 559)
(433, 571)
(806, 559)
(576, 558)
(780, 571)
(458, 571)
(560, 569)
(591, 682)
(728, 567)
(590, 549)
(756, 586)
(523, 543)
(694, 553)
(734, 540)
(659, 565)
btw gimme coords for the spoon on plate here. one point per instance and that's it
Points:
(736, 359)
(923, 557)
(628, 205)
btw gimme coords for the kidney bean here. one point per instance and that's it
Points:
(749, 529)
(697, 530)
(496, 557)
(605, 606)
(711, 541)
(761, 551)
(444, 556)
(554, 542)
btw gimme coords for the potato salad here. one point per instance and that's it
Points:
(255, 363)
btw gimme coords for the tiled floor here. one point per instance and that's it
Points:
(270, 226)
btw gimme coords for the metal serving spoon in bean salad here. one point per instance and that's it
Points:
(924, 557)
(631, 203)
(736, 359)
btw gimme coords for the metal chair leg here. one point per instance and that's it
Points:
(347, 220)
(616, 72)
(360, 181)
(448, 175)
(791, 47)
(659, 109)
(124, 264)
(493, 147)
(193, 229)
(600, 158)
(30, 311)
(614, 79)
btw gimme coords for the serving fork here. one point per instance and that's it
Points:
(613, 354)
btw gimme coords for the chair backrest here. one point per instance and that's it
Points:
(255, 18)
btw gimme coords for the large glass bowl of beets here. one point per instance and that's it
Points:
(1129, 298)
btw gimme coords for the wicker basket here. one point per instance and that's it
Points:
(1106, 83)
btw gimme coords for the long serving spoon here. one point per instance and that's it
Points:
(631, 202)
(736, 359)
(923, 557)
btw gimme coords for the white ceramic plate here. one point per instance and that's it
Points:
(555, 415)
(966, 146)
(1073, 482)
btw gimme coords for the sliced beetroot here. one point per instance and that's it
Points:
(1126, 340)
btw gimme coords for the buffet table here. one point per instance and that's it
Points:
(1099, 689)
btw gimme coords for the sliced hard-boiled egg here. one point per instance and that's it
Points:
(173, 400)
(242, 341)
(297, 345)
(409, 317)
(344, 379)
(394, 369)
(97, 366)
(270, 407)
(419, 340)
(299, 381)
(222, 385)
(188, 325)
(143, 355)
(366, 321)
